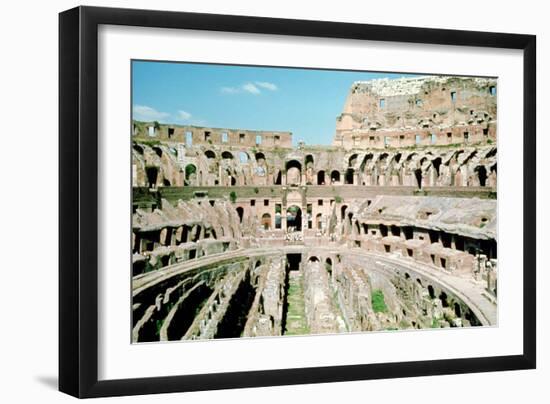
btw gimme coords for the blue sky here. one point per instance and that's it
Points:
(303, 101)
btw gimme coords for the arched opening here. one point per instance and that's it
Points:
(470, 157)
(165, 260)
(309, 161)
(349, 176)
(343, 212)
(152, 174)
(321, 178)
(138, 148)
(190, 173)
(181, 236)
(196, 231)
(383, 230)
(434, 236)
(243, 157)
(240, 212)
(294, 218)
(259, 157)
(365, 161)
(458, 311)
(293, 172)
(352, 160)
(158, 151)
(277, 177)
(443, 298)
(395, 231)
(418, 176)
(335, 177)
(318, 221)
(210, 154)
(328, 266)
(227, 155)
(313, 259)
(481, 175)
(266, 221)
(431, 292)
(436, 163)
(492, 153)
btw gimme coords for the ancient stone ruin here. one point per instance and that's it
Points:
(237, 233)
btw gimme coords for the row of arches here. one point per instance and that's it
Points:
(429, 175)
(293, 218)
(458, 168)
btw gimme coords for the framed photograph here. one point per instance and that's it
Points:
(249, 201)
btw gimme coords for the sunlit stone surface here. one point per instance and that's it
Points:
(237, 233)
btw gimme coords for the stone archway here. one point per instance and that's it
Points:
(335, 177)
(266, 221)
(321, 178)
(293, 173)
(294, 218)
(481, 175)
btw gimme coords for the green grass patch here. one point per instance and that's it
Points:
(378, 303)
(148, 142)
(296, 316)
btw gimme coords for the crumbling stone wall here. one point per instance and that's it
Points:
(418, 111)
(452, 166)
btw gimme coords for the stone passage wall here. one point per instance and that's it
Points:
(183, 232)
(456, 235)
(294, 291)
(418, 111)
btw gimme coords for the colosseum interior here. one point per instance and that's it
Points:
(238, 233)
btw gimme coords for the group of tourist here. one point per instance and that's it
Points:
(294, 236)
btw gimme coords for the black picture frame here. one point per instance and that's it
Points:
(78, 200)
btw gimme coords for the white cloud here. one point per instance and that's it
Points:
(229, 90)
(267, 85)
(251, 88)
(145, 113)
(183, 115)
